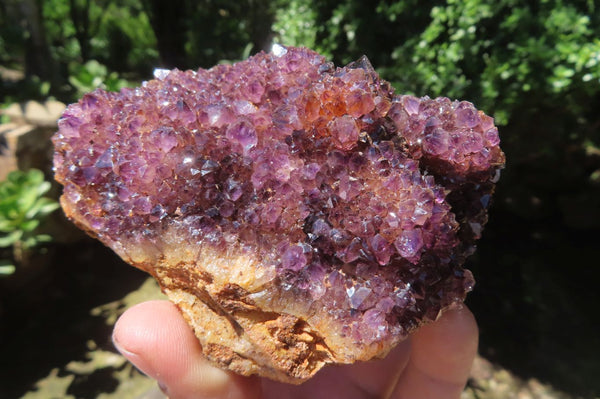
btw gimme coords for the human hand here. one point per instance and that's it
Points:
(433, 363)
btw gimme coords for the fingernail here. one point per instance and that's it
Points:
(123, 351)
(163, 388)
(133, 357)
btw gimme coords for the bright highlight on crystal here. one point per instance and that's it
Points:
(297, 213)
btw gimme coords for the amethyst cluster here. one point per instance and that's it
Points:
(287, 187)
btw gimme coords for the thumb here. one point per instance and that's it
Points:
(157, 340)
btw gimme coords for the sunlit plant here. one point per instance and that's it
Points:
(22, 208)
(92, 75)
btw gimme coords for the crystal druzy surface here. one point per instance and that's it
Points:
(298, 214)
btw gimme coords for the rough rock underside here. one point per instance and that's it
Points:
(297, 213)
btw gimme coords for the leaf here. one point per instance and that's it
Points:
(26, 201)
(10, 239)
(34, 177)
(29, 225)
(43, 188)
(6, 226)
(41, 208)
(6, 268)
(30, 242)
(48, 207)
(40, 238)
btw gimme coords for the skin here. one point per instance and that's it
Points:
(433, 363)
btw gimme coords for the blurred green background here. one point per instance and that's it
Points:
(533, 65)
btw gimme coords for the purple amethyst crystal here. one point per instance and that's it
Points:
(298, 214)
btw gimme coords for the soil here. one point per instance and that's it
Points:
(56, 328)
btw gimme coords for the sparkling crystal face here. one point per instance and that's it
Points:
(365, 203)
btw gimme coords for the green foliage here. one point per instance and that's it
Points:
(295, 23)
(32, 88)
(60, 30)
(118, 34)
(11, 37)
(22, 208)
(504, 53)
(93, 75)
(4, 118)
(536, 68)
(506, 56)
(124, 40)
(224, 30)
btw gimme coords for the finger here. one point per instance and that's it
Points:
(378, 377)
(157, 340)
(441, 357)
(375, 378)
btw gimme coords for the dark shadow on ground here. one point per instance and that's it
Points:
(48, 324)
(90, 386)
(536, 300)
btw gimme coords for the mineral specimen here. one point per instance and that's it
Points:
(298, 214)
